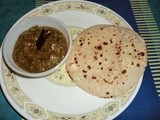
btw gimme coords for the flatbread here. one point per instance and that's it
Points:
(106, 61)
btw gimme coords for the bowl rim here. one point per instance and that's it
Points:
(22, 72)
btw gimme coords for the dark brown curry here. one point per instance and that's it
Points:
(28, 57)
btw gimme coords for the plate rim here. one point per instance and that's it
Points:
(22, 112)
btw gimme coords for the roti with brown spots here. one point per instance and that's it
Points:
(106, 61)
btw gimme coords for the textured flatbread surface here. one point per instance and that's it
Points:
(106, 61)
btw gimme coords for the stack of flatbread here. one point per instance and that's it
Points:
(106, 61)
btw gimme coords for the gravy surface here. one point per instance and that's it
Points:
(29, 58)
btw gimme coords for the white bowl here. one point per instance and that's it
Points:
(13, 34)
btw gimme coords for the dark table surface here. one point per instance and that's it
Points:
(142, 15)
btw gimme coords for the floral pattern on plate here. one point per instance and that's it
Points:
(61, 77)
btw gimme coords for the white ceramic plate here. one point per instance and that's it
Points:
(55, 96)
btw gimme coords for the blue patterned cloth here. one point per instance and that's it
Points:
(145, 106)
